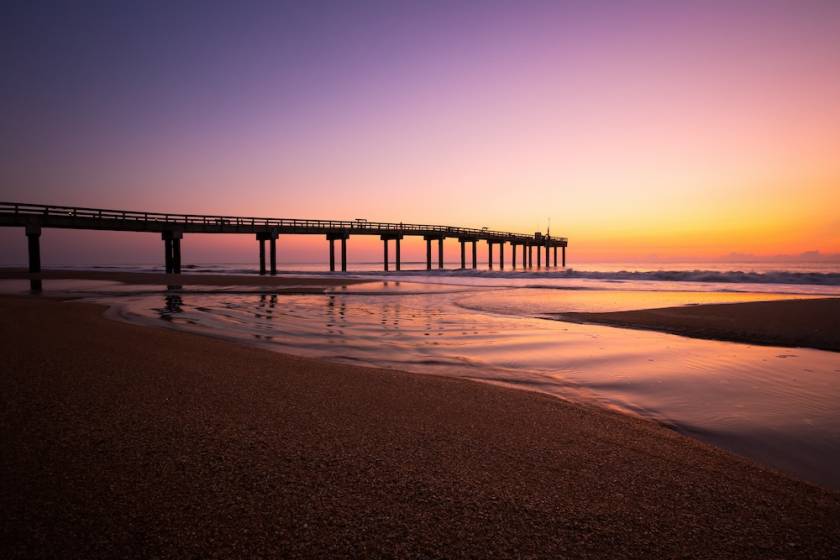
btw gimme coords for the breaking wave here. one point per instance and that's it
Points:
(732, 276)
(699, 275)
(706, 276)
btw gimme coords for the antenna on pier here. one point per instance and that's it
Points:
(548, 231)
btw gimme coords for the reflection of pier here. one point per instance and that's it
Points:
(336, 315)
(172, 228)
(172, 305)
(266, 303)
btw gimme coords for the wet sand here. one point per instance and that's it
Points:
(121, 440)
(176, 279)
(810, 323)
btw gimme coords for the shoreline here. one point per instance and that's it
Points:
(125, 439)
(812, 322)
(157, 278)
(807, 323)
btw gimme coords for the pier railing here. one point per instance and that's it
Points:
(146, 219)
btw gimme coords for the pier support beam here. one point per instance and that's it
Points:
(385, 239)
(33, 241)
(167, 255)
(501, 255)
(489, 254)
(474, 254)
(513, 255)
(271, 237)
(530, 256)
(429, 239)
(332, 237)
(272, 254)
(563, 249)
(555, 256)
(546, 256)
(428, 253)
(176, 255)
(172, 251)
(463, 241)
(539, 257)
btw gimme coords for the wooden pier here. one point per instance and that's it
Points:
(173, 227)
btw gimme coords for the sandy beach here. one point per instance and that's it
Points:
(810, 323)
(134, 441)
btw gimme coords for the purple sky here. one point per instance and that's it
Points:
(641, 128)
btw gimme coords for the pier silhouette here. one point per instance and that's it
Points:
(172, 228)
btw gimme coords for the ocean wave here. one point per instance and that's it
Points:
(731, 276)
(618, 277)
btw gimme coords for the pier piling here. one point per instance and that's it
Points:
(176, 255)
(172, 251)
(429, 239)
(428, 253)
(385, 239)
(33, 241)
(332, 238)
(272, 252)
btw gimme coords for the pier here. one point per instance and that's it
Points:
(173, 227)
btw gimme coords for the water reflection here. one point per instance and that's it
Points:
(265, 311)
(265, 307)
(336, 316)
(172, 305)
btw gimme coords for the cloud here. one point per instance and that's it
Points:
(805, 256)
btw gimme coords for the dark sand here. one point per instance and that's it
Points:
(811, 323)
(121, 440)
(177, 279)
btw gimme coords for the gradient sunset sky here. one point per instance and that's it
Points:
(668, 130)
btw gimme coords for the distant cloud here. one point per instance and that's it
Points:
(805, 256)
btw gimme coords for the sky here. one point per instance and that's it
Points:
(642, 130)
